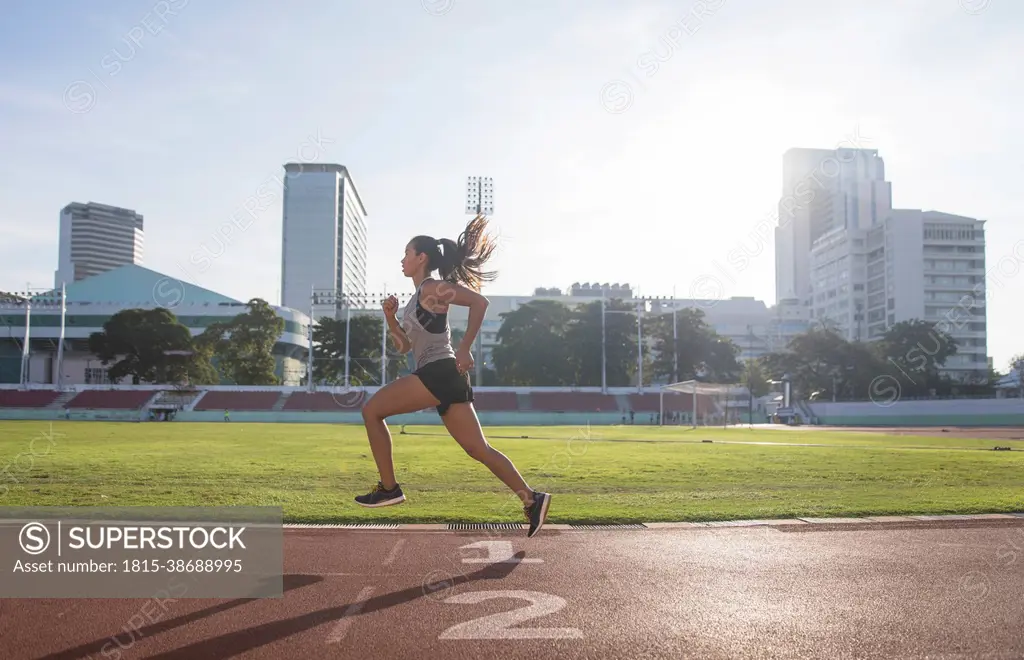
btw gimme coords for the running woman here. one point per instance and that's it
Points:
(441, 378)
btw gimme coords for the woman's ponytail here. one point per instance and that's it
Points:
(461, 262)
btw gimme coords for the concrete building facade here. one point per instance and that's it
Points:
(95, 238)
(324, 239)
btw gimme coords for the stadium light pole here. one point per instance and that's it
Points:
(322, 298)
(384, 342)
(604, 356)
(348, 334)
(25, 354)
(309, 338)
(675, 340)
(63, 332)
(42, 297)
(750, 381)
(480, 195)
(642, 307)
(639, 350)
(60, 340)
(480, 201)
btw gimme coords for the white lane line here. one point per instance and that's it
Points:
(341, 628)
(394, 552)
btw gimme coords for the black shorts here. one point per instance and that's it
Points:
(443, 380)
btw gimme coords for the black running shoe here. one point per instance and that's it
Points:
(379, 496)
(537, 513)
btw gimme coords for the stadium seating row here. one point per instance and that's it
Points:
(327, 402)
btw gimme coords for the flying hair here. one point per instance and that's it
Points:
(460, 262)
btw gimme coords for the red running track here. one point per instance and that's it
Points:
(865, 590)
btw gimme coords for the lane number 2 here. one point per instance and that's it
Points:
(499, 626)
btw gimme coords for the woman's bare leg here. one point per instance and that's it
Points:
(461, 421)
(405, 395)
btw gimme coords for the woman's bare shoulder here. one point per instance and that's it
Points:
(436, 295)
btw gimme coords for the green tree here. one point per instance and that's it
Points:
(137, 343)
(917, 349)
(1017, 368)
(364, 355)
(859, 365)
(754, 378)
(583, 344)
(201, 370)
(822, 363)
(696, 345)
(1017, 365)
(244, 346)
(532, 345)
(811, 359)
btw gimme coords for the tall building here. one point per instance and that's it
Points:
(823, 190)
(912, 264)
(324, 245)
(95, 238)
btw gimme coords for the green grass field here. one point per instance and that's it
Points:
(607, 474)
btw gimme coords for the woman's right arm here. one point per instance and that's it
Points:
(398, 335)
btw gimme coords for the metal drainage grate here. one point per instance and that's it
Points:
(629, 526)
(341, 526)
(463, 526)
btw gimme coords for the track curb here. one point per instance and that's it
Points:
(585, 527)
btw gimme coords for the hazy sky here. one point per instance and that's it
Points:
(188, 107)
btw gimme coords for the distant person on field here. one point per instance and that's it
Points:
(441, 377)
(227, 415)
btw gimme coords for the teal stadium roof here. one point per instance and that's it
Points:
(135, 286)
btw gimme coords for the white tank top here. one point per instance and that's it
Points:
(429, 342)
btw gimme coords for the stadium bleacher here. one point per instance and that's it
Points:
(111, 399)
(323, 402)
(496, 401)
(223, 400)
(573, 402)
(27, 398)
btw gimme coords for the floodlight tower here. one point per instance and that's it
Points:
(479, 201)
(480, 195)
(38, 298)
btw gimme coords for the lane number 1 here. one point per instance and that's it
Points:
(498, 552)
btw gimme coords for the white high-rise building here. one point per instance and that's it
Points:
(95, 238)
(823, 190)
(913, 264)
(324, 244)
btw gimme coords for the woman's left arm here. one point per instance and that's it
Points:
(447, 293)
